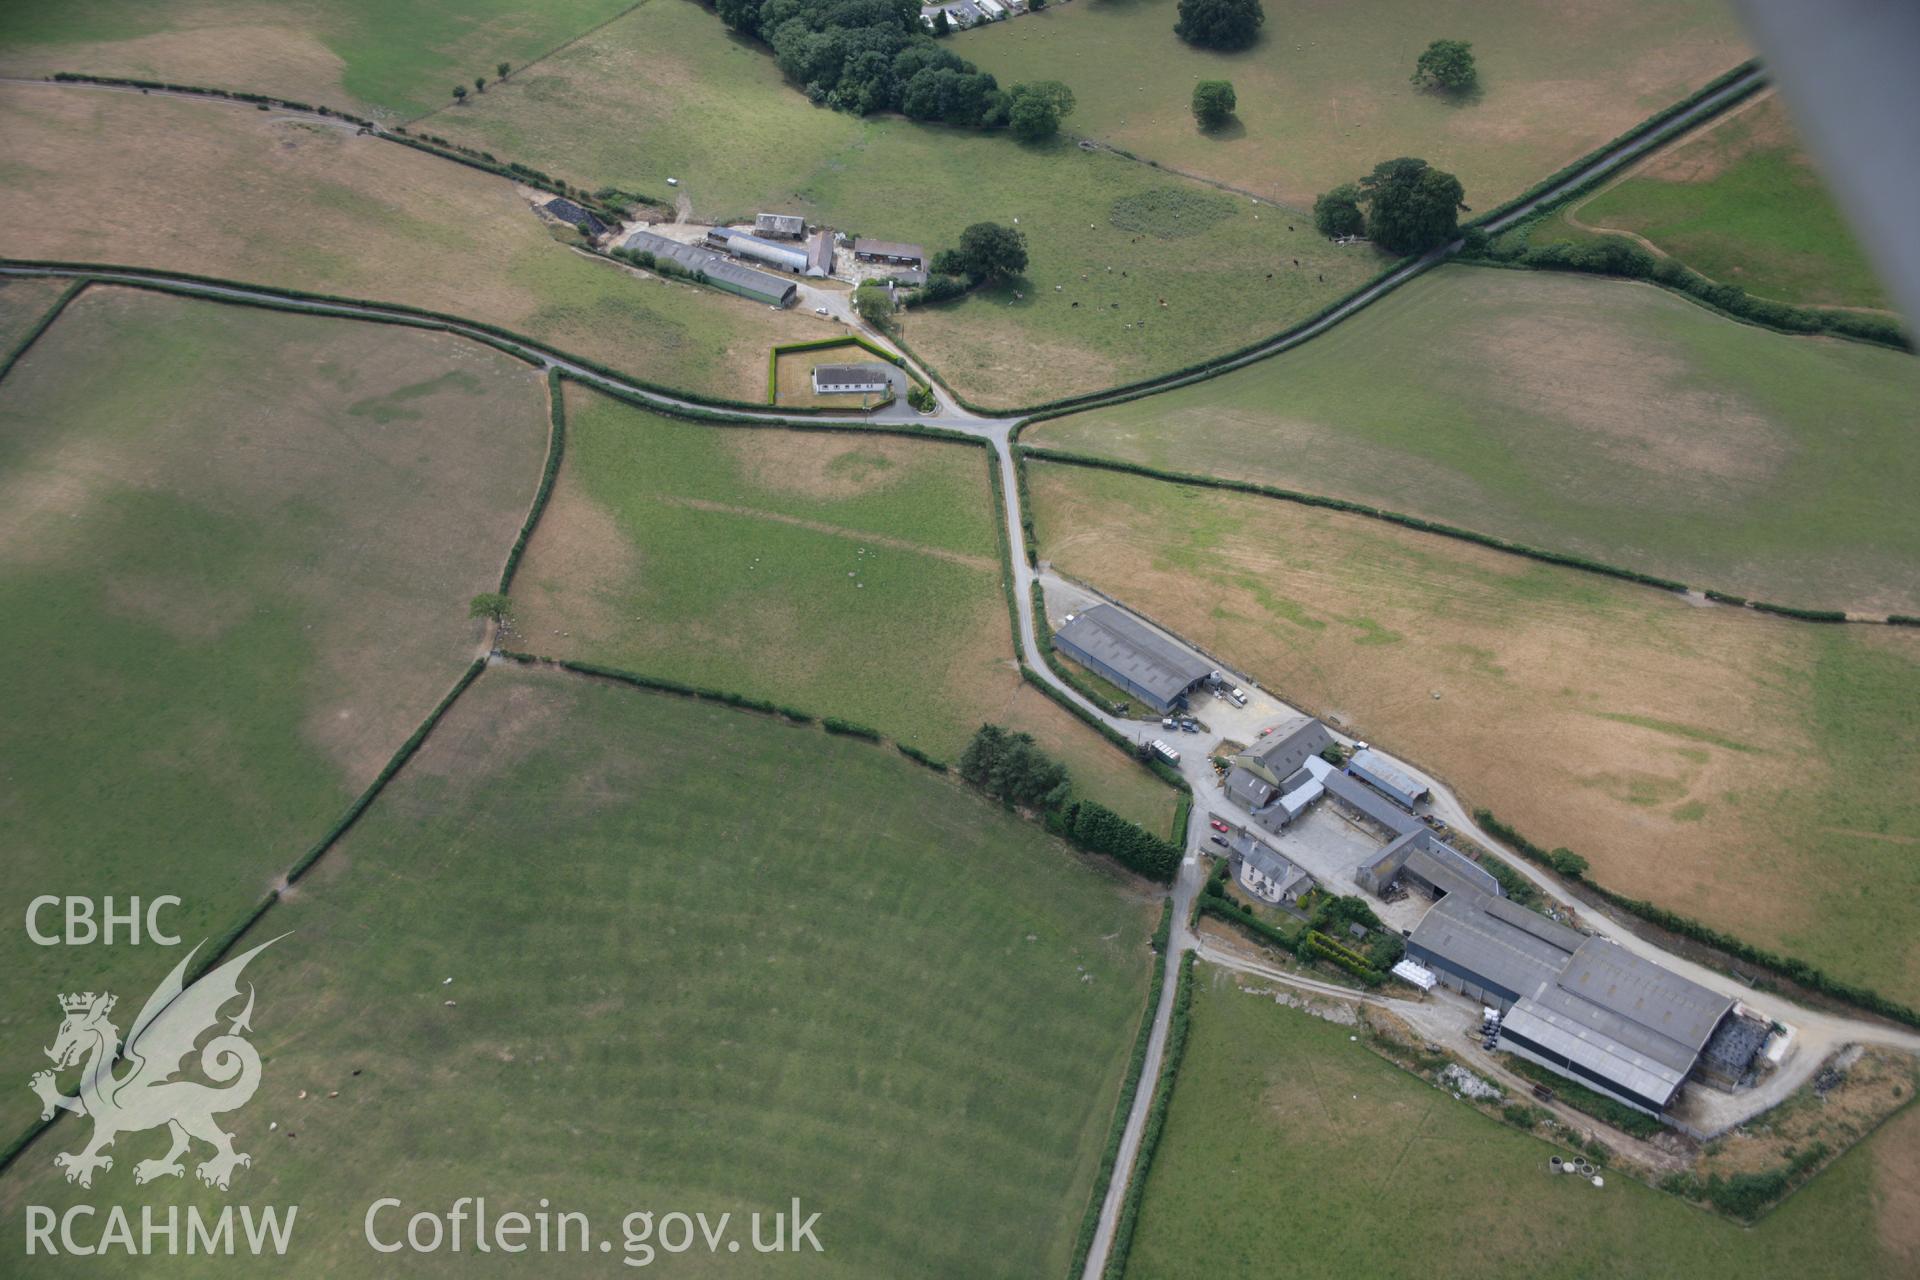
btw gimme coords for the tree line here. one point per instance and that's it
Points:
(1012, 769)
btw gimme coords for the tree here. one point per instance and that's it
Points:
(1033, 120)
(501, 68)
(480, 83)
(459, 93)
(1337, 212)
(490, 604)
(1220, 24)
(1411, 206)
(874, 302)
(943, 25)
(1213, 103)
(1447, 65)
(1034, 111)
(989, 250)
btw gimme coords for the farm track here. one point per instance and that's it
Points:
(998, 431)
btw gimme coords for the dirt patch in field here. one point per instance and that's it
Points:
(1896, 1190)
(1625, 393)
(1873, 1085)
(577, 541)
(820, 464)
(1759, 125)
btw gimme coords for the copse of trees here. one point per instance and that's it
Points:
(1404, 206)
(1447, 65)
(863, 56)
(987, 251)
(1011, 769)
(1213, 103)
(1220, 24)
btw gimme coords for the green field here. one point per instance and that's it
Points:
(1287, 1140)
(845, 575)
(1753, 773)
(200, 187)
(235, 553)
(1324, 96)
(1739, 202)
(1610, 419)
(395, 58)
(646, 98)
(700, 961)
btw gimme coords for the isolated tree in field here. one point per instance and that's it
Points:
(1213, 103)
(1220, 24)
(989, 250)
(1411, 206)
(500, 69)
(1337, 212)
(459, 93)
(480, 83)
(1447, 65)
(490, 604)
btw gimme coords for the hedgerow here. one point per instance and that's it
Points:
(45, 322)
(847, 728)
(556, 447)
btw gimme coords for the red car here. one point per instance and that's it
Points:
(1219, 826)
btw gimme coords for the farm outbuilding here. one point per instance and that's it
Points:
(787, 257)
(820, 255)
(1378, 772)
(715, 270)
(780, 226)
(1585, 1007)
(1284, 749)
(891, 251)
(1126, 652)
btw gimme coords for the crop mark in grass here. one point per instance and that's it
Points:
(1371, 632)
(1692, 811)
(1171, 213)
(1690, 732)
(821, 526)
(392, 407)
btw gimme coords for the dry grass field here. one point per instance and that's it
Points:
(1132, 272)
(1607, 418)
(843, 575)
(247, 195)
(389, 59)
(1323, 96)
(236, 549)
(1754, 773)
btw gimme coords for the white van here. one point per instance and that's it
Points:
(1238, 695)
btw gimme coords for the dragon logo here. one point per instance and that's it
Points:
(148, 1095)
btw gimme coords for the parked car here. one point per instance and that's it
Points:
(1238, 695)
(1166, 722)
(1190, 725)
(1219, 826)
(1219, 840)
(821, 311)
